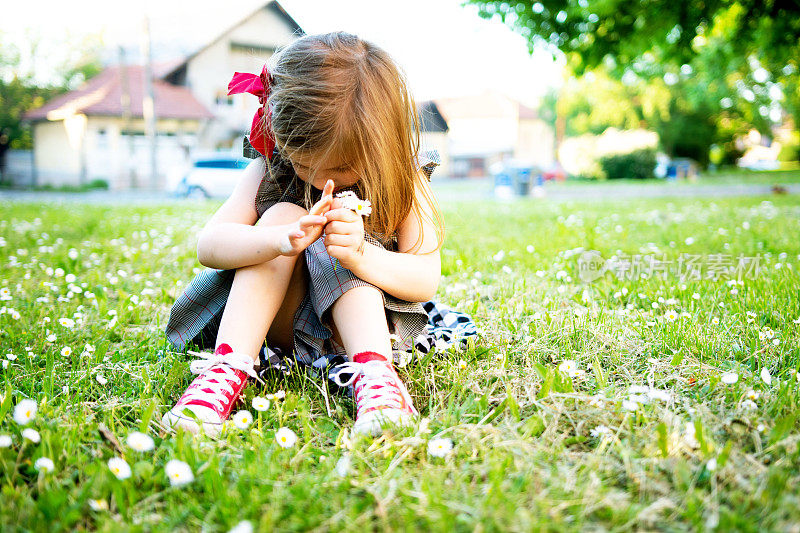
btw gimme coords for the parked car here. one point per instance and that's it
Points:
(208, 176)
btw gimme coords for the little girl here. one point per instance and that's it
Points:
(297, 267)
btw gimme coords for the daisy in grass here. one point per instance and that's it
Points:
(31, 434)
(570, 368)
(260, 404)
(440, 447)
(601, 431)
(24, 412)
(729, 378)
(179, 473)
(140, 442)
(98, 505)
(351, 201)
(242, 419)
(44, 464)
(285, 437)
(280, 395)
(119, 468)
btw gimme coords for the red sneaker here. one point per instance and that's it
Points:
(381, 396)
(212, 394)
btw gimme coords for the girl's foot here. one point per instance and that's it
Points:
(381, 396)
(208, 401)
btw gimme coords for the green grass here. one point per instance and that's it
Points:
(527, 454)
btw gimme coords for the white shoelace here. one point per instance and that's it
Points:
(218, 381)
(373, 374)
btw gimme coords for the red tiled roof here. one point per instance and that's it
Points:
(101, 95)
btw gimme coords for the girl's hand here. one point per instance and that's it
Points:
(299, 235)
(344, 235)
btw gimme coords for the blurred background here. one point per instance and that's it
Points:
(132, 96)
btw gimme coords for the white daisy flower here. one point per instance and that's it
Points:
(351, 201)
(260, 404)
(5, 441)
(766, 377)
(119, 468)
(630, 405)
(179, 473)
(44, 464)
(245, 526)
(570, 368)
(51, 337)
(711, 465)
(66, 351)
(140, 442)
(101, 379)
(32, 435)
(242, 419)
(671, 315)
(462, 364)
(98, 505)
(729, 378)
(280, 395)
(752, 395)
(600, 431)
(67, 322)
(440, 447)
(749, 405)
(25, 411)
(286, 437)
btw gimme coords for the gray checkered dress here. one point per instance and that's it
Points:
(196, 314)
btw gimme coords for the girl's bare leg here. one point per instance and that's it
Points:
(359, 319)
(262, 292)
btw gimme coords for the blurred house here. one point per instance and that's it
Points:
(85, 135)
(89, 134)
(245, 47)
(490, 128)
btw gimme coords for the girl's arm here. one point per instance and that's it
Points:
(410, 274)
(232, 239)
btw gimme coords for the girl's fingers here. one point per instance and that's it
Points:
(335, 251)
(343, 214)
(328, 190)
(312, 220)
(342, 228)
(325, 202)
(338, 240)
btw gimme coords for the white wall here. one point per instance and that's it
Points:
(209, 72)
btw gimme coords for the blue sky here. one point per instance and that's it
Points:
(446, 49)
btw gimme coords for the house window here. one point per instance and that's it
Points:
(223, 98)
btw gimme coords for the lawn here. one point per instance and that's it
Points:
(647, 398)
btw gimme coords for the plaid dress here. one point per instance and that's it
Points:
(196, 314)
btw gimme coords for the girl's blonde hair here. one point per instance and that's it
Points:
(338, 95)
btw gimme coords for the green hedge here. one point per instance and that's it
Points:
(638, 164)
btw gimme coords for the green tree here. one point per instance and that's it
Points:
(19, 92)
(727, 65)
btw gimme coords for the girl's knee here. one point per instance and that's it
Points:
(281, 213)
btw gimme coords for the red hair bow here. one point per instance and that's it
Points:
(261, 136)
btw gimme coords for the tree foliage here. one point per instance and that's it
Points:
(21, 92)
(714, 68)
